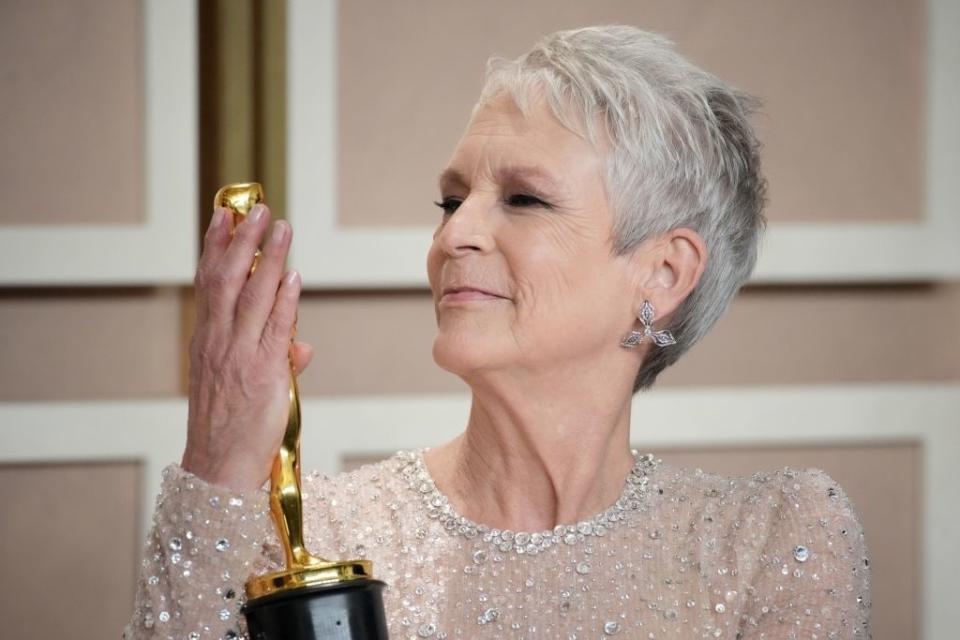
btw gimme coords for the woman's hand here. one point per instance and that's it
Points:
(239, 366)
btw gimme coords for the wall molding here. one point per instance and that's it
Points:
(386, 257)
(152, 432)
(163, 250)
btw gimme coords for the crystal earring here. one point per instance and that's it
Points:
(660, 338)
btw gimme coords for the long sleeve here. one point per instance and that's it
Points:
(204, 543)
(813, 575)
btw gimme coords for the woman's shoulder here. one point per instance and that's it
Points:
(372, 474)
(377, 487)
(784, 525)
(788, 512)
(792, 534)
(803, 489)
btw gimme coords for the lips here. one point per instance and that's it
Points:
(467, 293)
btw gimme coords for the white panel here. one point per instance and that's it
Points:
(163, 249)
(792, 252)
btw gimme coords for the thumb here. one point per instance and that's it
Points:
(301, 355)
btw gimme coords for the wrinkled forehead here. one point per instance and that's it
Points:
(506, 141)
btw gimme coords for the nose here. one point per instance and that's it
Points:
(467, 230)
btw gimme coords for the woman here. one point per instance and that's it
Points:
(599, 213)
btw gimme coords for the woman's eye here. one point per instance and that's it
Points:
(525, 200)
(449, 205)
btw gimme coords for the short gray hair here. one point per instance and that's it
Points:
(683, 154)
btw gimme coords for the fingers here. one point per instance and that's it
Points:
(275, 339)
(215, 243)
(227, 277)
(258, 296)
(260, 307)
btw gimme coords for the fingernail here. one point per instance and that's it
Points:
(279, 231)
(256, 213)
(292, 277)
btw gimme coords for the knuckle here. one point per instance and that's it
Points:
(217, 281)
(276, 329)
(270, 330)
(249, 297)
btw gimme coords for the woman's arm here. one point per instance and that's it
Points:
(205, 542)
(813, 575)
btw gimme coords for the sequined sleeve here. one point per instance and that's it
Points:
(205, 541)
(813, 573)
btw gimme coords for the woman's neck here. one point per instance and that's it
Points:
(535, 456)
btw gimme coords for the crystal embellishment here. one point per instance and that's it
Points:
(488, 616)
(680, 539)
(646, 312)
(439, 508)
(660, 338)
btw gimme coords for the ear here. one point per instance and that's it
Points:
(671, 270)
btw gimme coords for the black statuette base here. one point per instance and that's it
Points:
(344, 611)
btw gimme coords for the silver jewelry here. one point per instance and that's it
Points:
(632, 498)
(660, 338)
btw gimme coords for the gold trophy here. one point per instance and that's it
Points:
(312, 598)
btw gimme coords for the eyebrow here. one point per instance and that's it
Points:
(451, 176)
(531, 175)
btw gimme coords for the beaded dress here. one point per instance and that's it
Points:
(682, 554)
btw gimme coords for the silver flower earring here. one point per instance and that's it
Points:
(660, 338)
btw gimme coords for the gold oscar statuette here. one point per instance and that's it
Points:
(313, 588)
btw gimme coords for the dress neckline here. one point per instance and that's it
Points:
(438, 507)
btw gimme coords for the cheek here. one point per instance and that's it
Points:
(545, 282)
(568, 295)
(547, 292)
(550, 265)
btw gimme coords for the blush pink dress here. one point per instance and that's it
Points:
(682, 554)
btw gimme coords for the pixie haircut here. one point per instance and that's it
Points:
(681, 154)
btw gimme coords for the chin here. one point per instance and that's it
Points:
(462, 354)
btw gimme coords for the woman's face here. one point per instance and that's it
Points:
(526, 218)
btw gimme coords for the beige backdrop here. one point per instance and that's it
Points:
(71, 112)
(842, 85)
(842, 145)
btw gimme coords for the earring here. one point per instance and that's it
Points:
(660, 338)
